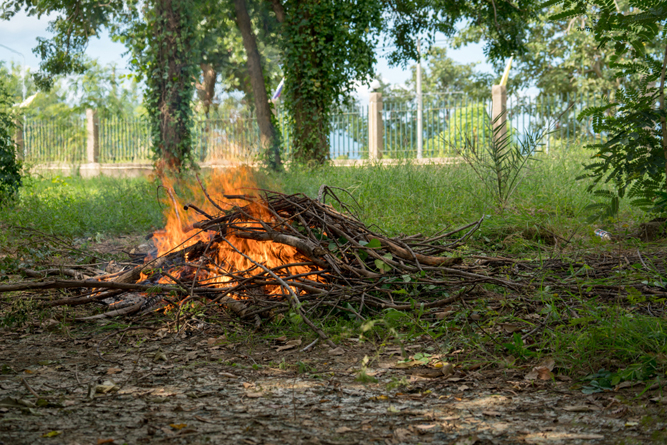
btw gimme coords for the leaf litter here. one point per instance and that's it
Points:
(242, 395)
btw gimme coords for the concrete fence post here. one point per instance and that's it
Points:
(375, 127)
(499, 108)
(18, 139)
(92, 166)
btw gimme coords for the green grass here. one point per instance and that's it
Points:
(407, 199)
(72, 206)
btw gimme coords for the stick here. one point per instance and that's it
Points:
(296, 305)
(32, 391)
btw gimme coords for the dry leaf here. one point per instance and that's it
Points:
(343, 429)
(103, 441)
(112, 371)
(289, 345)
(254, 395)
(106, 387)
(539, 373)
(581, 408)
(282, 338)
(52, 434)
(337, 351)
(510, 328)
(247, 385)
(491, 413)
(401, 434)
(178, 426)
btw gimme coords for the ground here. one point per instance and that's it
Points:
(199, 387)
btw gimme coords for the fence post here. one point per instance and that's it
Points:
(375, 127)
(92, 166)
(499, 108)
(18, 139)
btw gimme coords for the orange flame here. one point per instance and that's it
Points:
(222, 259)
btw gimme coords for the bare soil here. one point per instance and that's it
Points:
(199, 387)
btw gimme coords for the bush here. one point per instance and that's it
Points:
(10, 165)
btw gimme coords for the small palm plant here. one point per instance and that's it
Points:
(501, 162)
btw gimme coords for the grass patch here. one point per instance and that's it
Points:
(73, 206)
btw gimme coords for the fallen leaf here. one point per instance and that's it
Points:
(581, 408)
(254, 395)
(289, 345)
(401, 433)
(281, 338)
(337, 351)
(442, 315)
(52, 434)
(463, 387)
(393, 409)
(539, 373)
(102, 441)
(425, 427)
(510, 328)
(491, 413)
(106, 387)
(247, 385)
(548, 362)
(112, 371)
(160, 356)
(343, 429)
(178, 426)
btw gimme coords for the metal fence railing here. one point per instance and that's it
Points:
(448, 122)
(55, 140)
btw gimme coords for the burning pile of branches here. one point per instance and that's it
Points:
(260, 255)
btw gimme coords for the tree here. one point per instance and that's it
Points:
(160, 35)
(10, 165)
(328, 46)
(269, 139)
(634, 157)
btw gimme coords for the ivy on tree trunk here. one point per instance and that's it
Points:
(170, 69)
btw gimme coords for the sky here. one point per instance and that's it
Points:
(21, 33)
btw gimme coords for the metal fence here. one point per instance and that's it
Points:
(449, 122)
(55, 140)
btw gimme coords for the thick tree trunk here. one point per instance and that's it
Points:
(170, 85)
(278, 10)
(304, 98)
(268, 133)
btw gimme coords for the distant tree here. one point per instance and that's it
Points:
(633, 159)
(161, 36)
(10, 165)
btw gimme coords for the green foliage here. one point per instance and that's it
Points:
(499, 160)
(328, 46)
(72, 206)
(633, 158)
(10, 165)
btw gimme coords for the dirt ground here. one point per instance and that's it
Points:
(199, 387)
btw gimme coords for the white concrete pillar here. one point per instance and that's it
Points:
(499, 97)
(375, 127)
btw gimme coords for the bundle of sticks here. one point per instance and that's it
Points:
(323, 256)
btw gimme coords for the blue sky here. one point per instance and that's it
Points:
(21, 32)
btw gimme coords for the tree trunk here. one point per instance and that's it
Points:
(170, 86)
(278, 10)
(304, 95)
(663, 110)
(206, 89)
(268, 134)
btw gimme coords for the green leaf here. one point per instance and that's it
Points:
(382, 266)
(374, 243)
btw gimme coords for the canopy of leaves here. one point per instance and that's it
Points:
(10, 165)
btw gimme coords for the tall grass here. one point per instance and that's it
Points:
(72, 206)
(405, 198)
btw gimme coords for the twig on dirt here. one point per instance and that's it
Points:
(311, 345)
(29, 388)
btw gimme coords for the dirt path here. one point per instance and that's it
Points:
(202, 388)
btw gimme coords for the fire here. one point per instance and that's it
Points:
(216, 267)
